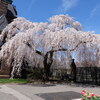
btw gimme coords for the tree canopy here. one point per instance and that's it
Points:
(22, 39)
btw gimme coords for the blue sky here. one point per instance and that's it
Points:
(87, 12)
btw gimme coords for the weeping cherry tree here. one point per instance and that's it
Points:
(23, 39)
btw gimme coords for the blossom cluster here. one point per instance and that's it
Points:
(89, 96)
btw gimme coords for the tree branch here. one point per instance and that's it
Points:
(38, 52)
(63, 49)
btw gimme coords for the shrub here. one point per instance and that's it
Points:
(36, 74)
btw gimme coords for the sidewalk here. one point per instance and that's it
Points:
(31, 92)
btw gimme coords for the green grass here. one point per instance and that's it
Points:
(22, 81)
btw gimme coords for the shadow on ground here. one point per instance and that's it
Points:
(60, 95)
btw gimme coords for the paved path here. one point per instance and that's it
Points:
(31, 92)
(14, 93)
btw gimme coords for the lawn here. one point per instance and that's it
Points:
(14, 81)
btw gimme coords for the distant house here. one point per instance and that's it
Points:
(7, 14)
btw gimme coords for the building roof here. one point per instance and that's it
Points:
(11, 12)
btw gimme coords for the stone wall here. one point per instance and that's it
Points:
(4, 69)
(3, 8)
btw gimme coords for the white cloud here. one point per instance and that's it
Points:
(31, 5)
(68, 4)
(94, 10)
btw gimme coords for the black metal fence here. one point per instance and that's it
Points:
(89, 75)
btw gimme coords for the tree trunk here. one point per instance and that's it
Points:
(48, 60)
